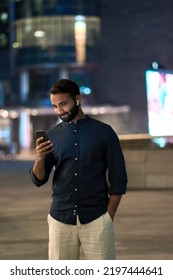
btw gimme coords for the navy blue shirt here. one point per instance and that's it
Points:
(88, 167)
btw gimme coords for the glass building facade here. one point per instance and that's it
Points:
(51, 40)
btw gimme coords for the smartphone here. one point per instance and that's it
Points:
(41, 133)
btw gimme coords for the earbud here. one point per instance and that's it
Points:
(77, 102)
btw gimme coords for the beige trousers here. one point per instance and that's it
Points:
(95, 239)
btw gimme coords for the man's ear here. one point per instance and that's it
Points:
(78, 100)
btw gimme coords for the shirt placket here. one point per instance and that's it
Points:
(76, 169)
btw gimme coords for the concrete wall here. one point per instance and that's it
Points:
(149, 169)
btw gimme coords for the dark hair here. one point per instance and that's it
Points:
(65, 86)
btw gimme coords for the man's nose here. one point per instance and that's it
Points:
(59, 110)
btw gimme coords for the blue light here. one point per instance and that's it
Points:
(155, 65)
(161, 142)
(85, 90)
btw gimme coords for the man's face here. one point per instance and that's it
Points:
(64, 106)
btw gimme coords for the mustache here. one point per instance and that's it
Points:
(64, 114)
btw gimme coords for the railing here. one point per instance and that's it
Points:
(145, 141)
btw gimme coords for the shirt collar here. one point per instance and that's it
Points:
(79, 122)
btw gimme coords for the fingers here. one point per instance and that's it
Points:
(39, 141)
(43, 148)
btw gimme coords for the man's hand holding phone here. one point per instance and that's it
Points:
(43, 144)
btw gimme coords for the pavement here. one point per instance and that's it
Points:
(143, 224)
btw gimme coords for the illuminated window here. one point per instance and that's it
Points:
(57, 30)
(4, 18)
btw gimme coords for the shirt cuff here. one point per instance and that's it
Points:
(36, 181)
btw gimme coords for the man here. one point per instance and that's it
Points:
(84, 153)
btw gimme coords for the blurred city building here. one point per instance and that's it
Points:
(42, 41)
(105, 46)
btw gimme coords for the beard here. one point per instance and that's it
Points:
(69, 116)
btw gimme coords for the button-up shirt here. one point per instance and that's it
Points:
(88, 167)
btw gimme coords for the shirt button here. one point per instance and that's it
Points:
(75, 190)
(75, 174)
(75, 130)
(75, 207)
(76, 158)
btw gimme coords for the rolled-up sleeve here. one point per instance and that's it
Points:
(49, 163)
(37, 182)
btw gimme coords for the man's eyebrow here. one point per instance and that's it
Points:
(57, 104)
